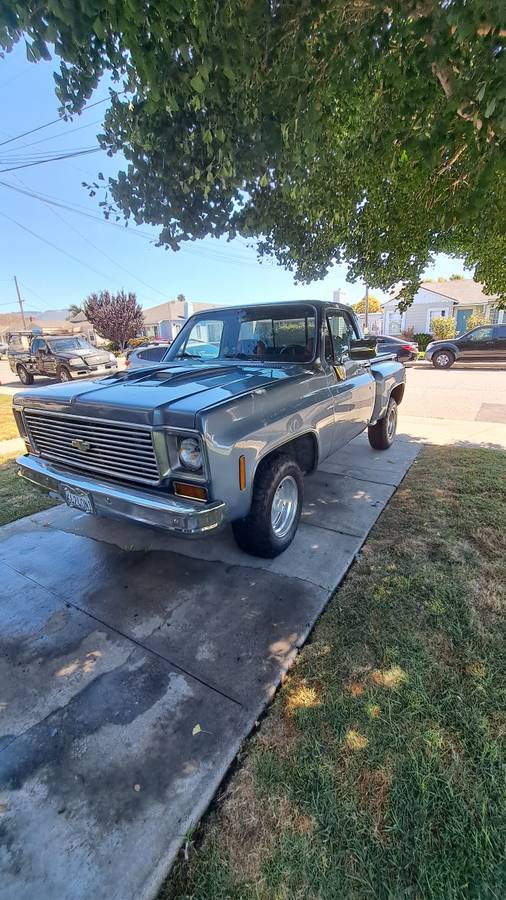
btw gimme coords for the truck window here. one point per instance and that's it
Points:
(341, 333)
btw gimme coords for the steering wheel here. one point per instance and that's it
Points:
(292, 350)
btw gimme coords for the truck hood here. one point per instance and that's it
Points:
(168, 394)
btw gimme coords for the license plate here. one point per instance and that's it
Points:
(78, 499)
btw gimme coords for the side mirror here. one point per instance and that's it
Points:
(363, 348)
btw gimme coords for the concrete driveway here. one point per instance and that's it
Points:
(132, 666)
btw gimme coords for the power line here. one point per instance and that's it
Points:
(52, 159)
(59, 119)
(110, 258)
(77, 209)
(55, 246)
(52, 137)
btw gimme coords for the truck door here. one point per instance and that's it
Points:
(42, 354)
(351, 382)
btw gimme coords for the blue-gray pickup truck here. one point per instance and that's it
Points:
(227, 435)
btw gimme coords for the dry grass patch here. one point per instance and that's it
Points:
(8, 427)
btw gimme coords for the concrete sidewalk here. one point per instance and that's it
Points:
(446, 432)
(133, 665)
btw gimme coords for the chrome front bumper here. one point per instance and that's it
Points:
(170, 513)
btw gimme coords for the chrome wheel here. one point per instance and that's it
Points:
(391, 423)
(284, 506)
(65, 375)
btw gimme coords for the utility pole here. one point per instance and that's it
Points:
(366, 310)
(20, 301)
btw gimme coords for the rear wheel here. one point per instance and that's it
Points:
(64, 374)
(24, 375)
(381, 436)
(443, 359)
(270, 526)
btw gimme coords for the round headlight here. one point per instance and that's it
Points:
(190, 454)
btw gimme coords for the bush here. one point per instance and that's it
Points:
(444, 328)
(112, 346)
(422, 338)
(407, 333)
(476, 320)
(138, 342)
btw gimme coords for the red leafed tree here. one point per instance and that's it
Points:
(116, 317)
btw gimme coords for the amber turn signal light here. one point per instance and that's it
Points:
(193, 491)
(242, 473)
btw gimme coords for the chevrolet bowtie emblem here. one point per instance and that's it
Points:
(83, 446)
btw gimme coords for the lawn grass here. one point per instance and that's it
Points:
(18, 497)
(379, 770)
(8, 427)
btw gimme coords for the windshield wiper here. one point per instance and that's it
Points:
(188, 356)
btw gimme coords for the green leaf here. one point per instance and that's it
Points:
(197, 83)
(489, 109)
(98, 28)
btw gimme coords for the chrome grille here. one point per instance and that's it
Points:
(107, 448)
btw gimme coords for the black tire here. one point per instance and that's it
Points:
(24, 375)
(255, 533)
(443, 359)
(64, 374)
(381, 436)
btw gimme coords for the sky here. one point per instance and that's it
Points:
(61, 256)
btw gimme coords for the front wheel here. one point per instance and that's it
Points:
(381, 436)
(64, 374)
(270, 526)
(443, 360)
(24, 375)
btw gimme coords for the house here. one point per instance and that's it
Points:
(459, 297)
(166, 320)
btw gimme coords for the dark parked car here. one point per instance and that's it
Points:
(405, 351)
(487, 343)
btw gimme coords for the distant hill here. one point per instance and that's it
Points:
(49, 315)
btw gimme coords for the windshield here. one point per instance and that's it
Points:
(283, 333)
(70, 343)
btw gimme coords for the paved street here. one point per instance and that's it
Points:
(468, 394)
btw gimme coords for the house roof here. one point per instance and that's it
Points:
(172, 309)
(462, 290)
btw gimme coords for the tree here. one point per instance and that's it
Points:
(336, 130)
(456, 277)
(116, 317)
(444, 328)
(374, 305)
(74, 310)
